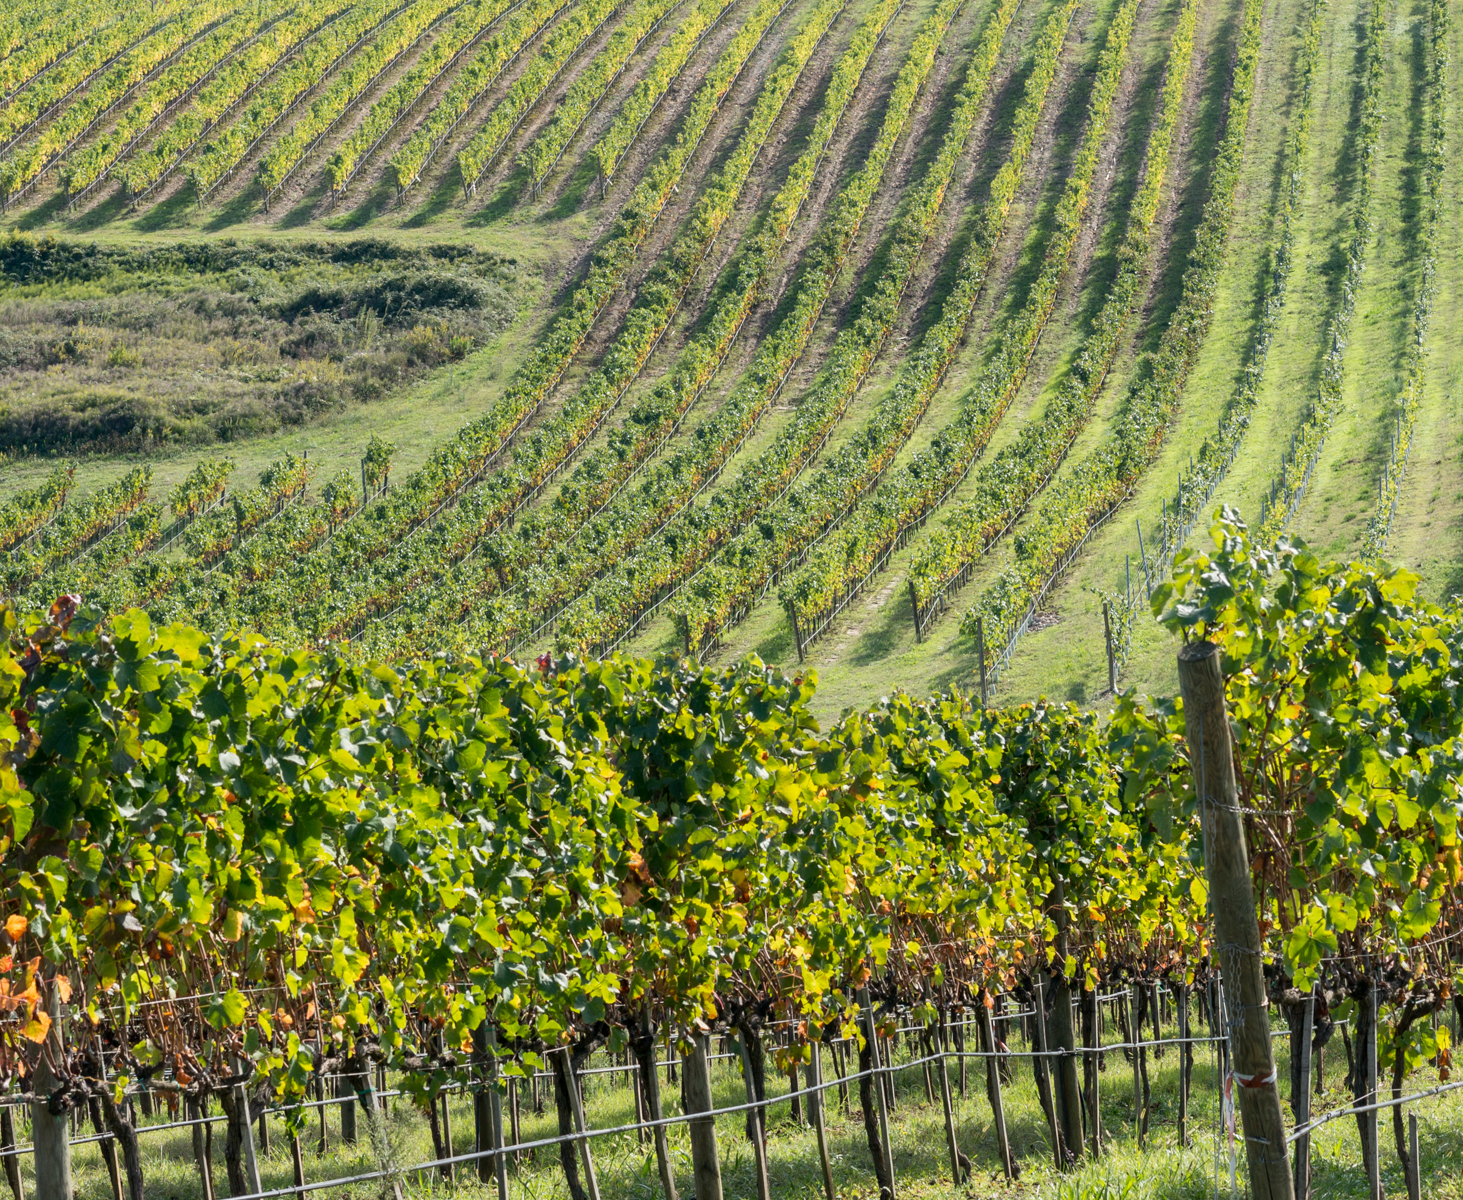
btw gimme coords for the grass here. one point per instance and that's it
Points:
(1159, 1169)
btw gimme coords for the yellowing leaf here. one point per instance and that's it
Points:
(16, 926)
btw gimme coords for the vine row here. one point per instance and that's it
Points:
(859, 533)
(1095, 486)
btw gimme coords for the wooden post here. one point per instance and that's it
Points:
(816, 1097)
(758, 1122)
(957, 1036)
(705, 1165)
(1414, 1174)
(1112, 662)
(1043, 1083)
(956, 1172)
(202, 1149)
(482, 1125)
(12, 1157)
(1183, 1007)
(1370, 1144)
(840, 1062)
(1300, 1101)
(251, 1162)
(998, 1106)
(985, 697)
(644, 1049)
(50, 1135)
(449, 1170)
(323, 1143)
(297, 1163)
(914, 608)
(1132, 1020)
(1236, 930)
(347, 1097)
(513, 1119)
(1094, 1112)
(576, 1104)
(495, 1117)
(867, 1007)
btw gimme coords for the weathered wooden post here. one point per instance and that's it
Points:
(985, 696)
(643, 1047)
(705, 1165)
(872, 1033)
(1301, 1101)
(1370, 1142)
(816, 1098)
(1237, 932)
(1414, 1176)
(246, 1129)
(1112, 662)
(759, 1119)
(12, 1156)
(993, 1088)
(50, 1135)
(1185, 1056)
(576, 1105)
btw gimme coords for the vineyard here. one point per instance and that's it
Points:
(420, 422)
(345, 900)
(907, 341)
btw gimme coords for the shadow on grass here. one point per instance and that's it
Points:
(238, 210)
(571, 199)
(171, 213)
(109, 210)
(439, 201)
(504, 200)
(377, 201)
(42, 214)
(302, 212)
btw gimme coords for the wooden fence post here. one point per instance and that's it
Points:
(872, 1033)
(998, 1107)
(643, 1048)
(816, 1098)
(985, 696)
(1414, 1175)
(1371, 1144)
(246, 1128)
(1184, 1055)
(50, 1135)
(1112, 662)
(482, 1122)
(495, 1116)
(1236, 929)
(758, 1121)
(1301, 1103)
(1131, 1018)
(12, 1157)
(576, 1105)
(705, 1165)
(1093, 1077)
(1043, 1081)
